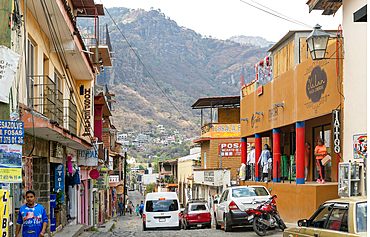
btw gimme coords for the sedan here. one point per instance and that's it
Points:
(339, 217)
(235, 201)
(196, 214)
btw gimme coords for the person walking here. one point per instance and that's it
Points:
(141, 209)
(130, 208)
(120, 204)
(137, 209)
(32, 216)
(320, 153)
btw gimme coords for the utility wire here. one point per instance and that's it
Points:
(279, 15)
(146, 69)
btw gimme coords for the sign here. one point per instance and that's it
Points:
(102, 182)
(88, 157)
(87, 112)
(4, 212)
(113, 179)
(8, 68)
(11, 132)
(260, 90)
(59, 179)
(120, 190)
(225, 130)
(360, 146)
(230, 149)
(256, 118)
(316, 84)
(10, 163)
(336, 131)
(209, 176)
(94, 174)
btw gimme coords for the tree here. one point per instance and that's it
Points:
(150, 188)
(155, 168)
(141, 167)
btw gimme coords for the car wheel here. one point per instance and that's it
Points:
(227, 228)
(216, 223)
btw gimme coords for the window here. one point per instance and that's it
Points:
(224, 196)
(248, 192)
(361, 217)
(320, 216)
(338, 220)
(198, 207)
(162, 205)
(30, 72)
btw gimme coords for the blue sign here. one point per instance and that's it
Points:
(59, 179)
(11, 132)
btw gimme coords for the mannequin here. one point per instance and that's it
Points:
(251, 161)
(264, 162)
(242, 172)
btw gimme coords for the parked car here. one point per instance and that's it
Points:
(235, 201)
(339, 217)
(196, 214)
(215, 196)
(161, 210)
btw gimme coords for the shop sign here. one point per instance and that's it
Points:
(230, 149)
(256, 118)
(87, 111)
(59, 179)
(336, 131)
(4, 212)
(10, 163)
(260, 90)
(273, 114)
(360, 146)
(120, 190)
(225, 130)
(316, 84)
(102, 182)
(88, 157)
(11, 132)
(114, 179)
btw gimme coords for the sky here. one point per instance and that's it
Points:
(223, 19)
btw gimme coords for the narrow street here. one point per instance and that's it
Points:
(132, 226)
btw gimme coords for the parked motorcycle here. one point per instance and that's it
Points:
(266, 216)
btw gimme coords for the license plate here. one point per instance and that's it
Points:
(162, 220)
(250, 217)
(199, 225)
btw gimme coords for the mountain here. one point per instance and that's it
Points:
(184, 64)
(252, 40)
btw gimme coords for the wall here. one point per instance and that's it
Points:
(229, 115)
(284, 59)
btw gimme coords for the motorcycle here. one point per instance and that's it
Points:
(266, 216)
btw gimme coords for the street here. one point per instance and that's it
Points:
(132, 226)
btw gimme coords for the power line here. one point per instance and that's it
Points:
(146, 69)
(279, 15)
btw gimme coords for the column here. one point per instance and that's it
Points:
(300, 147)
(276, 154)
(258, 151)
(244, 148)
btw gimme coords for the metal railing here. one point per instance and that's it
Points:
(70, 115)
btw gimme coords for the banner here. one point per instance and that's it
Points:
(4, 212)
(102, 182)
(8, 68)
(360, 146)
(11, 132)
(230, 149)
(59, 179)
(10, 163)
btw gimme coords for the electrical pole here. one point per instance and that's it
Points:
(124, 183)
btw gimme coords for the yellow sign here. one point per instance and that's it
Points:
(102, 182)
(225, 130)
(4, 212)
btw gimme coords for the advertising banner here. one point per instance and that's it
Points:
(230, 149)
(11, 132)
(8, 68)
(4, 212)
(10, 163)
(360, 146)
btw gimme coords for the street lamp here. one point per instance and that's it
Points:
(317, 42)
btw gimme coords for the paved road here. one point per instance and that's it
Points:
(132, 226)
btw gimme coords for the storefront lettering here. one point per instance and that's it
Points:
(255, 119)
(272, 114)
(226, 128)
(336, 131)
(316, 84)
(87, 113)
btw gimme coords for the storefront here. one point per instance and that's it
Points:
(293, 111)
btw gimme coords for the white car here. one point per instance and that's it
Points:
(235, 201)
(161, 210)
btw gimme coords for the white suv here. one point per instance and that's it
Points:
(161, 210)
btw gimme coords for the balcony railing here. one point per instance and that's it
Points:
(46, 98)
(70, 115)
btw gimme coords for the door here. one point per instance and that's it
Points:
(323, 132)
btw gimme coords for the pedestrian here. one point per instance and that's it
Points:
(130, 208)
(137, 209)
(141, 209)
(320, 153)
(120, 208)
(33, 217)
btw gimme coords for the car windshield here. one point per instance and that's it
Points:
(361, 216)
(198, 207)
(249, 191)
(161, 205)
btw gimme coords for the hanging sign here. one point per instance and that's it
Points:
(11, 132)
(59, 179)
(102, 182)
(8, 68)
(87, 113)
(4, 212)
(336, 131)
(88, 157)
(10, 163)
(114, 179)
(360, 146)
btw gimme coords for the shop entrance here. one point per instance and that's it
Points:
(324, 132)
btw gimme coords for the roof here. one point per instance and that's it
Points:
(217, 102)
(87, 8)
(330, 7)
(350, 199)
(194, 156)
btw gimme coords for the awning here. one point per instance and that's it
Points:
(217, 102)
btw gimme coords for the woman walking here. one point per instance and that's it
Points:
(320, 153)
(130, 208)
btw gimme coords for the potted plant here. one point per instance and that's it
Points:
(170, 179)
(58, 200)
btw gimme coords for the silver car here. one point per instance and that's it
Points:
(234, 201)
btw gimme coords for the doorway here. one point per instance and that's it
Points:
(324, 132)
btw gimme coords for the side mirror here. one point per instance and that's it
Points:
(270, 189)
(303, 223)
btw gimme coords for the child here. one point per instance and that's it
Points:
(137, 209)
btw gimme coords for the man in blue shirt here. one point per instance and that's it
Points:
(32, 216)
(141, 208)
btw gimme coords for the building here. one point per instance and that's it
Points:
(293, 110)
(168, 176)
